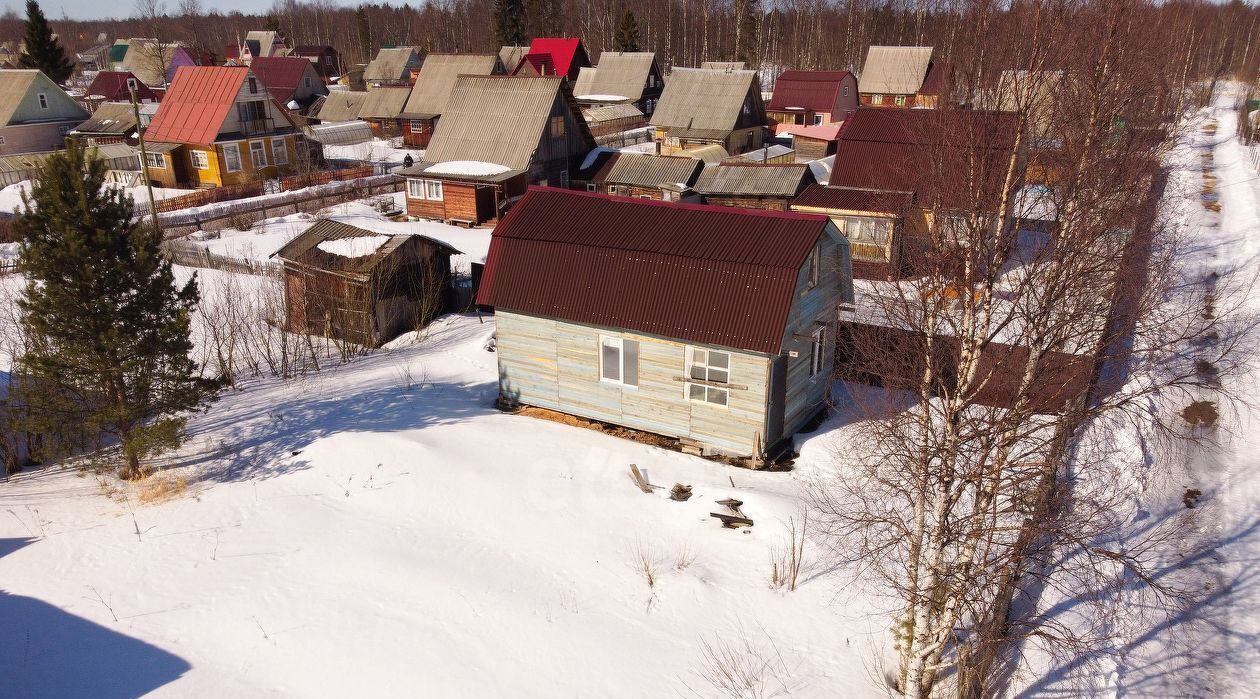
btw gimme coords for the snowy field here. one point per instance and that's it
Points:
(11, 196)
(378, 150)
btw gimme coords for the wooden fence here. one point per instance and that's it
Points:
(234, 192)
(191, 255)
(288, 184)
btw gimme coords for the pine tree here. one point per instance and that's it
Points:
(41, 49)
(748, 13)
(627, 36)
(365, 32)
(509, 23)
(107, 328)
(545, 17)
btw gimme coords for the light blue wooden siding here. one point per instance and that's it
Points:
(555, 364)
(815, 305)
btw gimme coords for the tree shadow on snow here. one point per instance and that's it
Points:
(48, 652)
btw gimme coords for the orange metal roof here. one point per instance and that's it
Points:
(196, 104)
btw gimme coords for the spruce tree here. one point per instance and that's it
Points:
(41, 49)
(509, 23)
(627, 36)
(107, 328)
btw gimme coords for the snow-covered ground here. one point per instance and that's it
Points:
(378, 150)
(11, 196)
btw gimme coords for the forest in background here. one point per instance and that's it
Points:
(1202, 38)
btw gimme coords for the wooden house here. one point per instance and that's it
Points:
(777, 154)
(361, 286)
(902, 76)
(933, 166)
(645, 176)
(392, 67)
(339, 105)
(325, 59)
(612, 119)
(262, 44)
(219, 126)
(116, 86)
(510, 56)
(112, 122)
(35, 114)
(292, 81)
(548, 56)
(812, 98)
(701, 107)
(622, 77)
(710, 326)
(153, 62)
(812, 142)
(433, 88)
(381, 109)
(771, 187)
(498, 135)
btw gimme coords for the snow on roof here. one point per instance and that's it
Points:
(360, 246)
(474, 168)
(603, 98)
(595, 153)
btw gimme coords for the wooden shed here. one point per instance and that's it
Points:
(711, 326)
(362, 286)
(753, 185)
(645, 176)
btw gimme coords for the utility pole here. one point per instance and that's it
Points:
(144, 161)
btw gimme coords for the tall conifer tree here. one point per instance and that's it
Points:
(41, 49)
(627, 36)
(509, 23)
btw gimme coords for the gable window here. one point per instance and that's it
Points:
(709, 371)
(877, 99)
(199, 159)
(131, 85)
(817, 351)
(43, 101)
(900, 100)
(817, 120)
(232, 157)
(279, 152)
(156, 160)
(844, 91)
(557, 127)
(307, 81)
(257, 154)
(815, 263)
(253, 86)
(618, 360)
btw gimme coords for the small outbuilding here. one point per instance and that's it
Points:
(362, 286)
(753, 185)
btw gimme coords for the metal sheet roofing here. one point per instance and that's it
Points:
(620, 73)
(340, 133)
(611, 112)
(511, 56)
(894, 70)
(15, 84)
(196, 104)
(383, 102)
(644, 170)
(754, 179)
(764, 154)
(112, 85)
(566, 53)
(437, 78)
(703, 274)
(283, 74)
(110, 118)
(722, 65)
(812, 90)
(848, 199)
(704, 101)
(392, 64)
(341, 105)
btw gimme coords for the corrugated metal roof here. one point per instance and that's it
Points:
(563, 52)
(643, 170)
(340, 133)
(722, 65)
(303, 249)
(704, 101)
(712, 153)
(849, 199)
(754, 179)
(619, 73)
(384, 102)
(511, 56)
(392, 64)
(610, 112)
(826, 132)
(196, 104)
(495, 119)
(282, 75)
(938, 79)
(703, 274)
(341, 105)
(112, 85)
(150, 60)
(894, 70)
(761, 155)
(437, 78)
(110, 118)
(813, 90)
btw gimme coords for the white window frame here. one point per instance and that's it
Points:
(43, 101)
(2, 142)
(415, 188)
(592, 187)
(817, 351)
(818, 120)
(253, 154)
(199, 159)
(613, 189)
(155, 160)
(699, 360)
(279, 152)
(900, 100)
(618, 343)
(433, 190)
(815, 265)
(227, 161)
(132, 85)
(877, 99)
(416, 125)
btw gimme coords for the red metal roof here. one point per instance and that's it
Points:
(937, 81)
(540, 62)
(196, 104)
(811, 90)
(950, 157)
(563, 52)
(846, 199)
(112, 85)
(280, 74)
(825, 132)
(705, 274)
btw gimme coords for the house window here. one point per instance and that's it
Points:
(557, 127)
(710, 367)
(433, 190)
(199, 159)
(416, 126)
(1, 140)
(43, 101)
(815, 261)
(618, 360)
(307, 81)
(747, 108)
(156, 160)
(131, 85)
(253, 86)
(817, 120)
(279, 152)
(844, 91)
(877, 99)
(232, 157)
(63, 129)
(866, 229)
(592, 187)
(901, 100)
(613, 189)
(258, 154)
(817, 351)
(645, 196)
(415, 189)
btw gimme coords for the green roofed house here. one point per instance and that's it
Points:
(35, 114)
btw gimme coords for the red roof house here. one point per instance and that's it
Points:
(762, 291)
(115, 86)
(812, 97)
(289, 79)
(561, 56)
